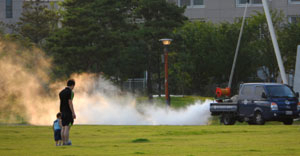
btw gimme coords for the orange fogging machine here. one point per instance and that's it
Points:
(222, 93)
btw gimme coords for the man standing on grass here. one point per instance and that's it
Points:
(67, 111)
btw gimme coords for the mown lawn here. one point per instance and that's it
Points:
(238, 140)
(176, 102)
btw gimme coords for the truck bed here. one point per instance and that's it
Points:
(227, 107)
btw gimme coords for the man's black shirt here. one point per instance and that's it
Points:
(65, 96)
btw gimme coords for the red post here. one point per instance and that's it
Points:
(166, 77)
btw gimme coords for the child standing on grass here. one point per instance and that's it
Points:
(57, 129)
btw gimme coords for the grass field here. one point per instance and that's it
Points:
(176, 102)
(214, 139)
(238, 140)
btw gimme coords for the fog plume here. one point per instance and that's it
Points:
(98, 101)
(26, 92)
(23, 85)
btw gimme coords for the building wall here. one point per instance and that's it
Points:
(213, 10)
(228, 10)
(16, 8)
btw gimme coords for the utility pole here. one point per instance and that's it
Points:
(275, 43)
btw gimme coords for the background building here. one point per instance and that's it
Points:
(11, 10)
(228, 10)
(204, 10)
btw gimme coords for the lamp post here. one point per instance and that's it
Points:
(166, 42)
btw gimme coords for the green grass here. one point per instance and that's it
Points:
(238, 140)
(215, 139)
(176, 102)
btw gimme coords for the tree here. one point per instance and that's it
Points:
(37, 21)
(119, 38)
(93, 36)
(259, 40)
(289, 39)
(159, 19)
(205, 54)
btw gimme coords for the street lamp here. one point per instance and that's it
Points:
(166, 42)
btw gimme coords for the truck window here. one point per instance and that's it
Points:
(247, 90)
(280, 91)
(258, 91)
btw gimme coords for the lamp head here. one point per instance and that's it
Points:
(166, 41)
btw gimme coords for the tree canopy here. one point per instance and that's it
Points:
(121, 40)
(38, 21)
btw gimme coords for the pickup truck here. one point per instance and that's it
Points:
(257, 103)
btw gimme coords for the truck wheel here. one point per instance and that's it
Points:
(288, 121)
(227, 119)
(258, 118)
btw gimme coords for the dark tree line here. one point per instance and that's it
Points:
(120, 39)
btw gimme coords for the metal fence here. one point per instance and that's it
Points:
(135, 85)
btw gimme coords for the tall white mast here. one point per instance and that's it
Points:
(274, 40)
(237, 47)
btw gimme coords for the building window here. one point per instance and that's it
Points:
(253, 3)
(191, 3)
(9, 9)
(294, 1)
(294, 19)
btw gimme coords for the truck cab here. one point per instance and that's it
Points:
(258, 103)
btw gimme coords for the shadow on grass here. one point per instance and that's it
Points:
(139, 153)
(140, 140)
(6, 149)
(202, 132)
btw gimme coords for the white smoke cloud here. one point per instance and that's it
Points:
(102, 103)
(24, 91)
